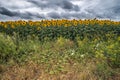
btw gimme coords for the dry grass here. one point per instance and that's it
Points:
(33, 71)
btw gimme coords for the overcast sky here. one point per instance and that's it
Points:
(59, 9)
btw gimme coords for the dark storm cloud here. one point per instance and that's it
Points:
(28, 15)
(39, 3)
(116, 9)
(7, 12)
(64, 4)
(68, 5)
(54, 15)
(25, 15)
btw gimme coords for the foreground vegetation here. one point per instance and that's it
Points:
(59, 59)
(78, 51)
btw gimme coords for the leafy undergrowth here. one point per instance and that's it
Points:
(60, 59)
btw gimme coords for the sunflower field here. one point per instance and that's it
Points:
(60, 50)
(70, 29)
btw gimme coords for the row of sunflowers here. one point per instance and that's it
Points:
(66, 28)
(63, 22)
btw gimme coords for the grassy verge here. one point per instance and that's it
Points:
(60, 59)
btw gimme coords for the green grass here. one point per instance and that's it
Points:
(60, 59)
